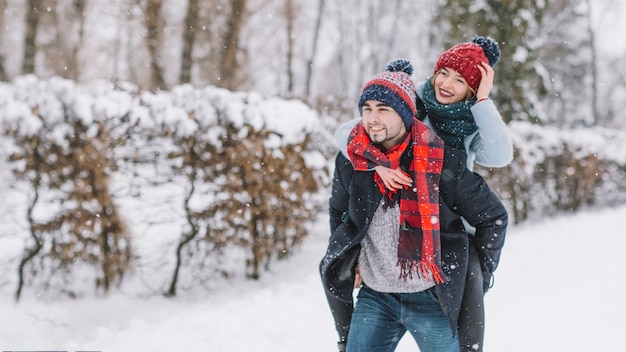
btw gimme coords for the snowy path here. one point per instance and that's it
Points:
(557, 289)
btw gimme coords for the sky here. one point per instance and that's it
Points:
(556, 289)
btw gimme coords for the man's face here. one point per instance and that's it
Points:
(382, 123)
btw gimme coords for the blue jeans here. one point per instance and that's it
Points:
(381, 319)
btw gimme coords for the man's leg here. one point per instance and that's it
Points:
(375, 323)
(428, 323)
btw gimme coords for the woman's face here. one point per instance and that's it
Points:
(450, 86)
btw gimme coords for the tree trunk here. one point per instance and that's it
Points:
(290, 15)
(594, 66)
(189, 35)
(30, 45)
(79, 8)
(229, 69)
(316, 35)
(3, 6)
(153, 27)
(69, 27)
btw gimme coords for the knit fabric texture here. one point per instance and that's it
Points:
(465, 57)
(379, 256)
(395, 88)
(452, 122)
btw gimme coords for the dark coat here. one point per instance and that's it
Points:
(354, 199)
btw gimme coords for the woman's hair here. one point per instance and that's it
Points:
(471, 93)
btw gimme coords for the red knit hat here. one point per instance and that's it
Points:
(465, 57)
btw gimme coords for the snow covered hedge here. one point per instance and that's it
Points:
(109, 181)
(557, 170)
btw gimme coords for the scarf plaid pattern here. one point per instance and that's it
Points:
(419, 245)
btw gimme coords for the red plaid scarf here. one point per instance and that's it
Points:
(419, 246)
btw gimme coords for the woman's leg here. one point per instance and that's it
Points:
(472, 315)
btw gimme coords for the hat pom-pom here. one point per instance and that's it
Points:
(490, 47)
(400, 65)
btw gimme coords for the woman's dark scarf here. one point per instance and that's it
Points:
(419, 245)
(452, 122)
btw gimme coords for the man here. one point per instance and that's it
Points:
(409, 245)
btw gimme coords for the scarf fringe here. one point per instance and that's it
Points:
(424, 270)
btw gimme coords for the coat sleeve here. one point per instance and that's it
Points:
(492, 145)
(337, 266)
(343, 133)
(340, 196)
(482, 209)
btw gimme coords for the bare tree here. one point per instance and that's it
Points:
(290, 18)
(593, 64)
(67, 22)
(189, 36)
(229, 68)
(79, 10)
(154, 26)
(316, 35)
(30, 36)
(3, 6)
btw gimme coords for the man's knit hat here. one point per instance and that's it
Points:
(393, 87)
(465, 57)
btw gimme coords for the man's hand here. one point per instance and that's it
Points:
(358, 280)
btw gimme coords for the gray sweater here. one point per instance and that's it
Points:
(379, 255)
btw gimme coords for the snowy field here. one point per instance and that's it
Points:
(557, 289)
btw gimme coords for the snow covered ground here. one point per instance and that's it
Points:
(558, 288)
